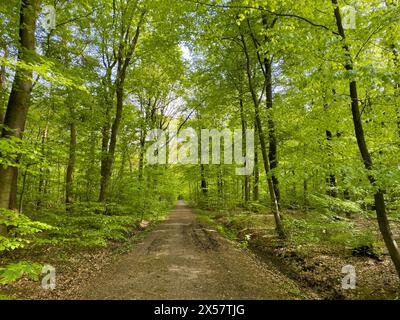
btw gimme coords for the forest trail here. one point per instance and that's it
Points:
(182, 259)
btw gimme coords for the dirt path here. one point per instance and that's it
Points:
(182, 259)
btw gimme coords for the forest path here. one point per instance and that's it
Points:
(182, 259)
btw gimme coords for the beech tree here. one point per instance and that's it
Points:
(19, 99)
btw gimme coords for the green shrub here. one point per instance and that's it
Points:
(333, 205)
(21, 229)
(14, 271)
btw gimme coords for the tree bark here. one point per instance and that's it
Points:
(3, 86)
(109, 161)
(141, 154)
(69, 185)
(273, 145)
(21, 197)
(380, 207)
(41, 171)
(266, 68)
(204, 188)
(246, 178)
(124, 55)
(270, 183)
(18, 103)
(105, 141)
(256, 192)
(331, 180)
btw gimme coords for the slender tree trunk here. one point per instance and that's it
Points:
(18, 103)
(331, 180)
(21, 197)
(305, 193)
(141, 155)
(105, 141)
(106, 174)
(69, 185)
(246, 178)
(256, 192)
(41, 171)
(265, 61)
(270, 183)
(273, 145)
(124, 55)
(204, 188)
(380, 207)
(3, 86)
(219, 183)
(91, 170)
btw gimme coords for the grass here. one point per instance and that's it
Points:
(203, 216)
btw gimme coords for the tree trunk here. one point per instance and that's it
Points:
(273, 146)
(141, 155)
(21, 197)
(380, 207)
(18, 103)
(69, 185)
(265, 62)
(305, 194)
(105, 141)
(124, 55)
(109, 161)
(246, 178)
(331, 180)
(204, 188)
(270, 183)
(256, 192)
(41, 171)
(3, 86)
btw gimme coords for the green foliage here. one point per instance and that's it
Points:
(335, 205)
(205, 217)
(257, 207)
(310, 229)
(14, 271)
(46, 69)
(94, 224)
(87, 229)
(316, 228)
(13, 148)
(21, 229)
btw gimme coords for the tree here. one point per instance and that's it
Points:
(380, 205)
(18, 103)
(123, 16)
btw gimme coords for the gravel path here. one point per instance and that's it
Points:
(182, 259)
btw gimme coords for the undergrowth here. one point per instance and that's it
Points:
(82, 229)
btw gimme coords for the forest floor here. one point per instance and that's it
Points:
(207, 255)
(314, 258)
(181, 258)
